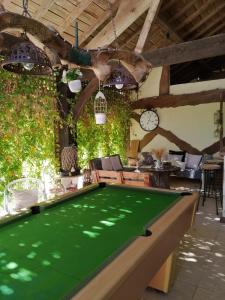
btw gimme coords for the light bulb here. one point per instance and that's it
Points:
(119, 86)
(28, 66)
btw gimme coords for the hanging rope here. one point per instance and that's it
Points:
(113, 24)
(25, 9)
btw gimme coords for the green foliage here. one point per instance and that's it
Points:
(101, 140)
(70, 75)
(27, 120)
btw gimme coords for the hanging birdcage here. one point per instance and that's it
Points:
(100, 108)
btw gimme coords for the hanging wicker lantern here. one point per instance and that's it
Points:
(100, 108)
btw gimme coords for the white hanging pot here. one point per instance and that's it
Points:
(100, 118)
(75, 86)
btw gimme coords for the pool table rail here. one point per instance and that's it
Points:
(130, 273)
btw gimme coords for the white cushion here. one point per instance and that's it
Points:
(192, 161)
(24, 198)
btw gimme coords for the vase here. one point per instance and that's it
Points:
(158, 164)
(75, 86)
(68, 158)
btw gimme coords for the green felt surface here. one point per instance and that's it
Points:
(49, 255)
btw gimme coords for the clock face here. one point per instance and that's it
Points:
(149, 120)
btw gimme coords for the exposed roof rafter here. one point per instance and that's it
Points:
(127, 13)
(152, 12)
(73, 15)
(44, 7)
(102, 19)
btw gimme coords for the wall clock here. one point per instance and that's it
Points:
(149, 120)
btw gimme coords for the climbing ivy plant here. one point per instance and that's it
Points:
(27, 117)
(28, 114)
(101, 140)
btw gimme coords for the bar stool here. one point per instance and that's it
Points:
(212, 183)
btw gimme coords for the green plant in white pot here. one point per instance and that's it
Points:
(72, 78)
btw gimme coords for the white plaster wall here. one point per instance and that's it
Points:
(193, 124)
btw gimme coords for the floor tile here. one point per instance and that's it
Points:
(200, 264)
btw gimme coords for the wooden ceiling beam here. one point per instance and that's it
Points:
(206, 28)
(194, 15)
(43, 8)
(128, 12)
(200, 63)
(193, 28)
(5, 3)
(188, 51)
(165, 27)
(101, 20)
(163, 101)
(168, 5)
(74, 14)
(152, 13)
(182, 11)
(131, 38)
(216, 29)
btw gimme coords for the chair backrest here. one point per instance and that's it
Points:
(109, 163)
(23, 193)
(95, 164)
(116, 162)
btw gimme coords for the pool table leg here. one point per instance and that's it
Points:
(163, 278)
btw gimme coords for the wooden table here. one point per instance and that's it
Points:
(214, 161)
(160, 175)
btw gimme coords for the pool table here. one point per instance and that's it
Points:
(101, 242)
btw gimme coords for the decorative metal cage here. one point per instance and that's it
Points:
(100, 103)
(100, 108)
(26, 58)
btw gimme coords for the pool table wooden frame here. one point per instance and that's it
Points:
(146, 261)
(127, 276)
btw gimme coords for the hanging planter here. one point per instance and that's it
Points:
(100, 108)
(72, 78)
(75, 86)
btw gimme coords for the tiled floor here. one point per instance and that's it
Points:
(200, 266)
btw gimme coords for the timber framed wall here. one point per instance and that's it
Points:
(193, 125)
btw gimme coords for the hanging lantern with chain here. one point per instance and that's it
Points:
(25, 57)
(120, 78)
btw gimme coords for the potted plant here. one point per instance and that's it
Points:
(72, 78)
